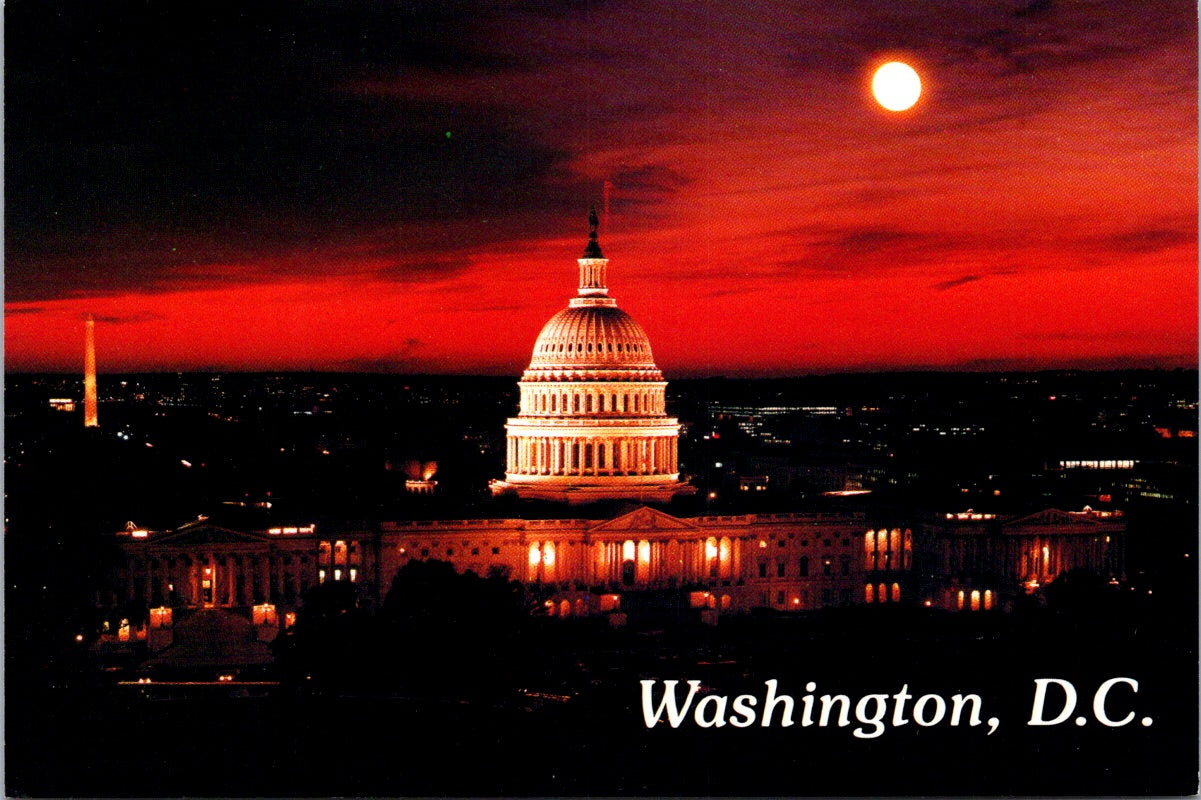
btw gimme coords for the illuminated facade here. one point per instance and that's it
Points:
(592, 423)
(714, 563)
(973, 560)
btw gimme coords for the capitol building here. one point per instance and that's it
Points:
(592, 426)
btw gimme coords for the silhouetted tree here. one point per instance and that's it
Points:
(448, 628)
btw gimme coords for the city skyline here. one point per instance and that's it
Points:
(405, 189)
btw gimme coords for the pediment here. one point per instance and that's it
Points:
(644, 520)
(204, 533)
(1052, 516)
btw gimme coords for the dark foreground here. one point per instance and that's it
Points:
(582, 731)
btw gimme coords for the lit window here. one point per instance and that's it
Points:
(321, 576)
(264, 614)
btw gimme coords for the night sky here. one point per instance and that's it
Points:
(404, 186)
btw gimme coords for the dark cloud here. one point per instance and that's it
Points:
(866, 240)
(129, 319)
(1034, 7)
(402, 359)
(647, 180)
(1152, 240)
(423, 270)
(142, 140)
(951, 284)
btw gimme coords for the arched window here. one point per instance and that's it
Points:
(870, 593)
(804, 569)
(988, 599)
(882, 593)
(959, 602)
(975, 600)
(896, 592)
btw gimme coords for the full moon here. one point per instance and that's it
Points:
(896, 86)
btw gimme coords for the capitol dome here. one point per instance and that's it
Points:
(592, 423)
(592, 337)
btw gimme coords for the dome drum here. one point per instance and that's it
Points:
(606, 399)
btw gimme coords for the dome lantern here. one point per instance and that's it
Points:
(593, 264)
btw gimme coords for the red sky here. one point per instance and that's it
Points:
(304, 208)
